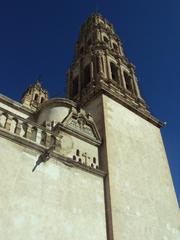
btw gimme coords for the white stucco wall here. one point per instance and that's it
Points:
(55, 202)
(143, 200)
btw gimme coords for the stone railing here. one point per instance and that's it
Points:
(29, 130)
(21, 129)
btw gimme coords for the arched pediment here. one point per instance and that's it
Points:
(79, 121)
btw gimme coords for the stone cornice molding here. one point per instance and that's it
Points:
(57, 102)
(65, 160)
(14, 104)
(80, 135)
(122, 99)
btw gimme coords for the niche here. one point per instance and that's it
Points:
(114, 72)
(87, 75)
(128, 81)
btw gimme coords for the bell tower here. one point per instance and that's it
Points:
(34, 96)
(100, 65)
(139, 194)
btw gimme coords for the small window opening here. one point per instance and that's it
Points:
(114, 72)
(77, 152)
(94, 160)
(128, 82)
(42, 100)
(75, 86)
(33, 133)
(80, 160)
(89, 42)
(74, 158)
(36, 97)
(81, 50)
(87, 75)
(97, 65)
(106, 40)
(115, 46)
(92, 165)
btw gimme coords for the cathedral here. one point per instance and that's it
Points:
(91, 166)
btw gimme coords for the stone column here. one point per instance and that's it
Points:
(123, 81)
(107, 68)
(3, 119)
(8, 122)
(119, 75)
(28, 131)
(18, 127)
(48, 139)
(104, 65)
(135, 83)
(38, 136)
(100, 64)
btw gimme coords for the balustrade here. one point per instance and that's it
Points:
(40, 135)
(28, 130)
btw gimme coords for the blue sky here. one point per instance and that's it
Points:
(38, 37)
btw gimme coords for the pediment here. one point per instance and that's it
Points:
(82, 123)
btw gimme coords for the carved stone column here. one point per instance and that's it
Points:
(18, 129)
(48, 139)
(123, 81)
(107, 67)
(100, 64)
(135, 83)
(3, 119)
(104, 65)
(28, 131)
(38, 135)
(8, 122)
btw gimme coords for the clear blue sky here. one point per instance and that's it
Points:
(38, 37)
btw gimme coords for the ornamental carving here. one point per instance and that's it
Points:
(82, 123)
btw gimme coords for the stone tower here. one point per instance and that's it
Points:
(34, 96)
(140, 200)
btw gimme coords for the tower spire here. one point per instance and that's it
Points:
(100, 65)
(34, 96)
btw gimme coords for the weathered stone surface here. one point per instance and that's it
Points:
(53, 202)
(143, 201)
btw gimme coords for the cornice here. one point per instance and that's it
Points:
(116, 96)
(65, 160)
(65, 129)
(14, 104)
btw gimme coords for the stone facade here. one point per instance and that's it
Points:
(51, 185)
(142, 202)
(93, 167)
